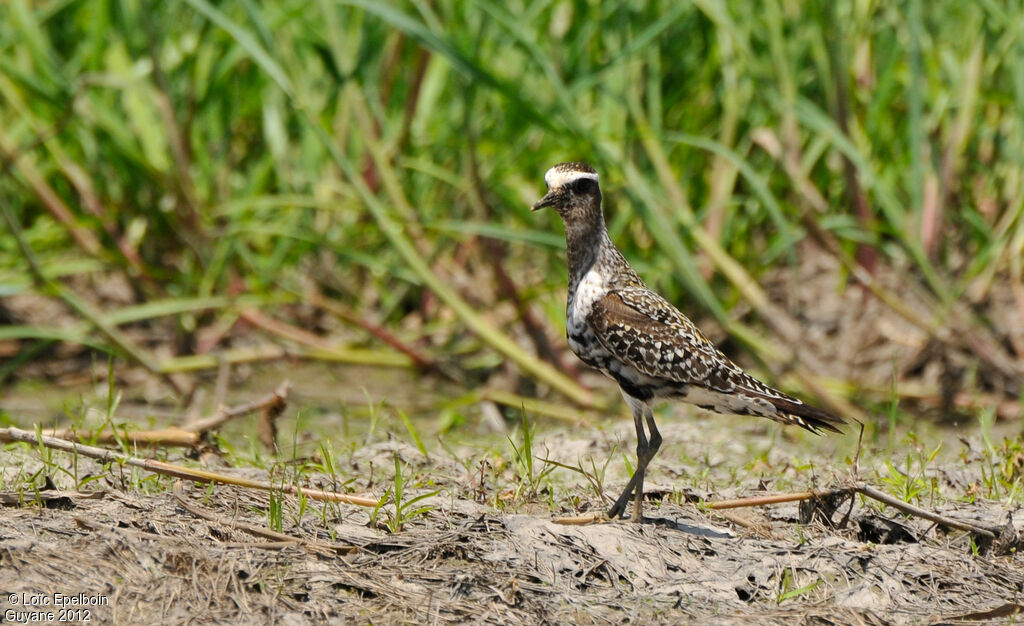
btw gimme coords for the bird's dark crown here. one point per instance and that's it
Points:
(574, 166)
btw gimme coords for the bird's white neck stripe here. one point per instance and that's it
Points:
(555, 179)
(582, 296)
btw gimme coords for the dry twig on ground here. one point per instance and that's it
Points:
(978, 531)
(178, 471)
(189, 434)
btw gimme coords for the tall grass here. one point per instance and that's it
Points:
(205, 149)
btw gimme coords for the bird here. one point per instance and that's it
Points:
(618, 325)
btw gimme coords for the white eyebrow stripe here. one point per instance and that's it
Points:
(555, 178)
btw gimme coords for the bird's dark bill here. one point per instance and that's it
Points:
(548, 200)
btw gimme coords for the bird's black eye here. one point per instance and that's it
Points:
(583, 186)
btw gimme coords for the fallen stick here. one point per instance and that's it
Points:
(178, 471)
(170, 436)
(188, 435)
(861, 488)
(269, 402)
(762, 500)
(581, 520)
(906, 507)
(865, 490)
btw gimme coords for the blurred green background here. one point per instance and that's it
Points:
(351, 179)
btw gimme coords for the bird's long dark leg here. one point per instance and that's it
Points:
(638, 408)
(643, 460)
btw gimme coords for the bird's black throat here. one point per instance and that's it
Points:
(585, 232)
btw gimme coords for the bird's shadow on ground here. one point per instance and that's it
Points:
(709, 532)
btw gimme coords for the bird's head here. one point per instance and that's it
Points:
(572, 189)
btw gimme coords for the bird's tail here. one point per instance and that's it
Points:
(812, 418)
(764, 401)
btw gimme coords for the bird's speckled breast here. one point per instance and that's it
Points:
(595, 284)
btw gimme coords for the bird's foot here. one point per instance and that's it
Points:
(638, 509)
(620, 504)
(619, 509)
(616, 511)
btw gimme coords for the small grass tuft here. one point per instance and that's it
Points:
(529, 480)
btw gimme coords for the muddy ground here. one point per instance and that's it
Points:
(489, 551)
(487, 548)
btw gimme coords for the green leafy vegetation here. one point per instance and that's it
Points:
(381, 156)
(530, 479)
(403, 509)
(789, 590)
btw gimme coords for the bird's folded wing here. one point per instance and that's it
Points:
(644, 331)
